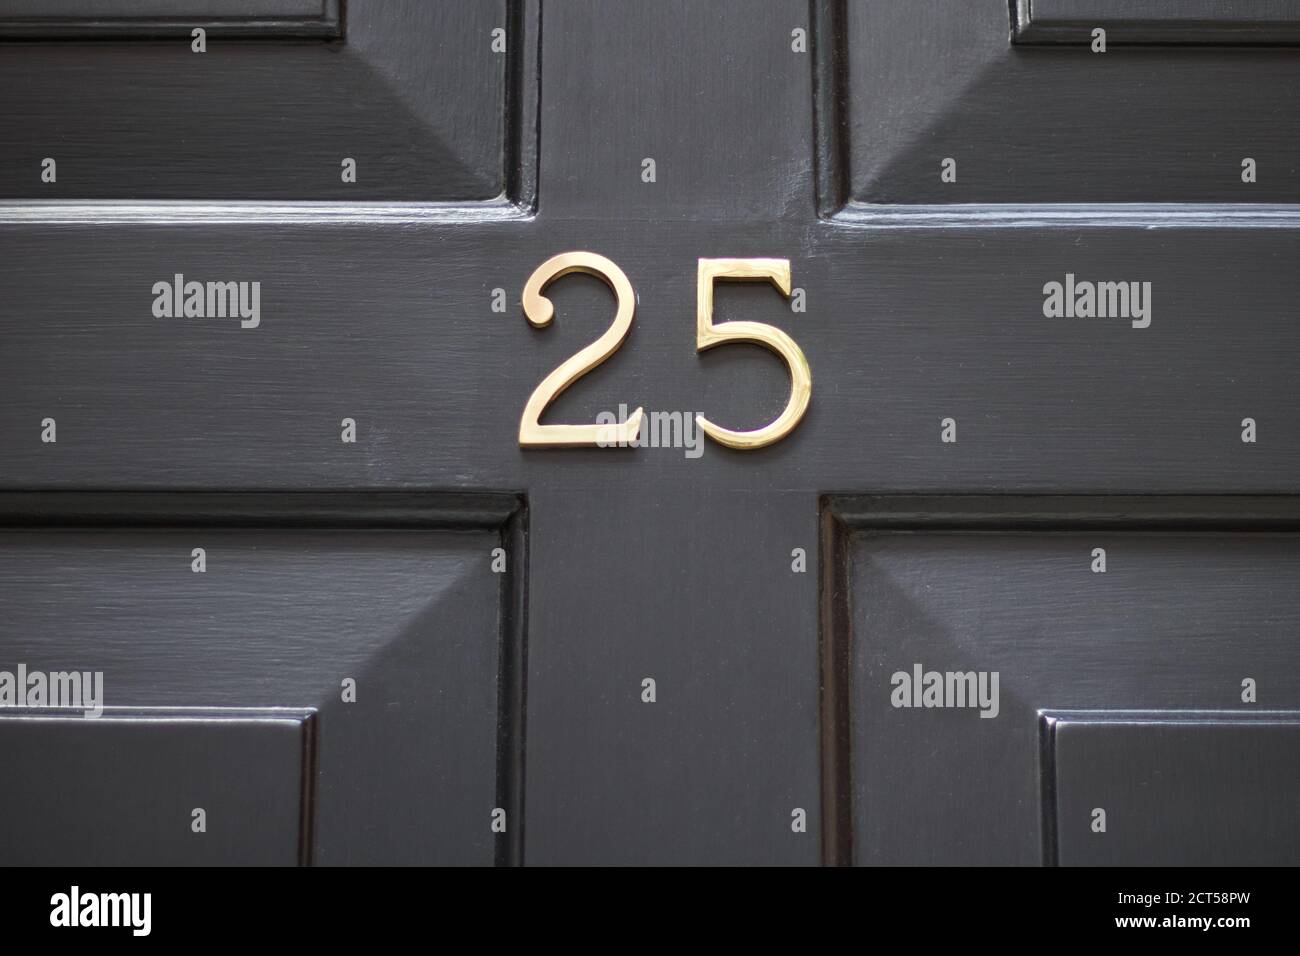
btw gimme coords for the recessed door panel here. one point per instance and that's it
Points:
(1172, 788)
(953, 623)
(396, 101)
(157, 787)
(385, 623)
(927, 102)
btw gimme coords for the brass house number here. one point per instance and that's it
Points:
(540, 311)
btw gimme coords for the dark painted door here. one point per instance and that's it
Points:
(282, 582)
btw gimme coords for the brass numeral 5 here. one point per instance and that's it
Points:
(540, 311)
(709, 336)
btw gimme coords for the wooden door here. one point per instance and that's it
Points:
(1019, 587)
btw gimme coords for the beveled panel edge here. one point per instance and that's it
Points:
(167, 212)
(1066, 512)
(164, 714)
(303, 717)
(487, 511)
(1049, 720)
(1054, 215)
(834, 204)
(502, 513)
(1126, 25)
(844, 515)
(520, 116)
(98, 24)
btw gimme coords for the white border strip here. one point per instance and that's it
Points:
(251, 212)
(1047, 215)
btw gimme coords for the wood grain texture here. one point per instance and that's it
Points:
(711, 92)
(625, 586)
(402, 338)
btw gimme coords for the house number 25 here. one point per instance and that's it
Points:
(540, 311)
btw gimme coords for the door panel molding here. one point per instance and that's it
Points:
(294, 532)
(1147, 141)
(99, 19)
(1182, 22)
(246, 758)
(975, 544)
(1223, 776)
(440, 124)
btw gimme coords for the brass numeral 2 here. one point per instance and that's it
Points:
(540, 311)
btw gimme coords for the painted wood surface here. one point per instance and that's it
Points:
(924, 302)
